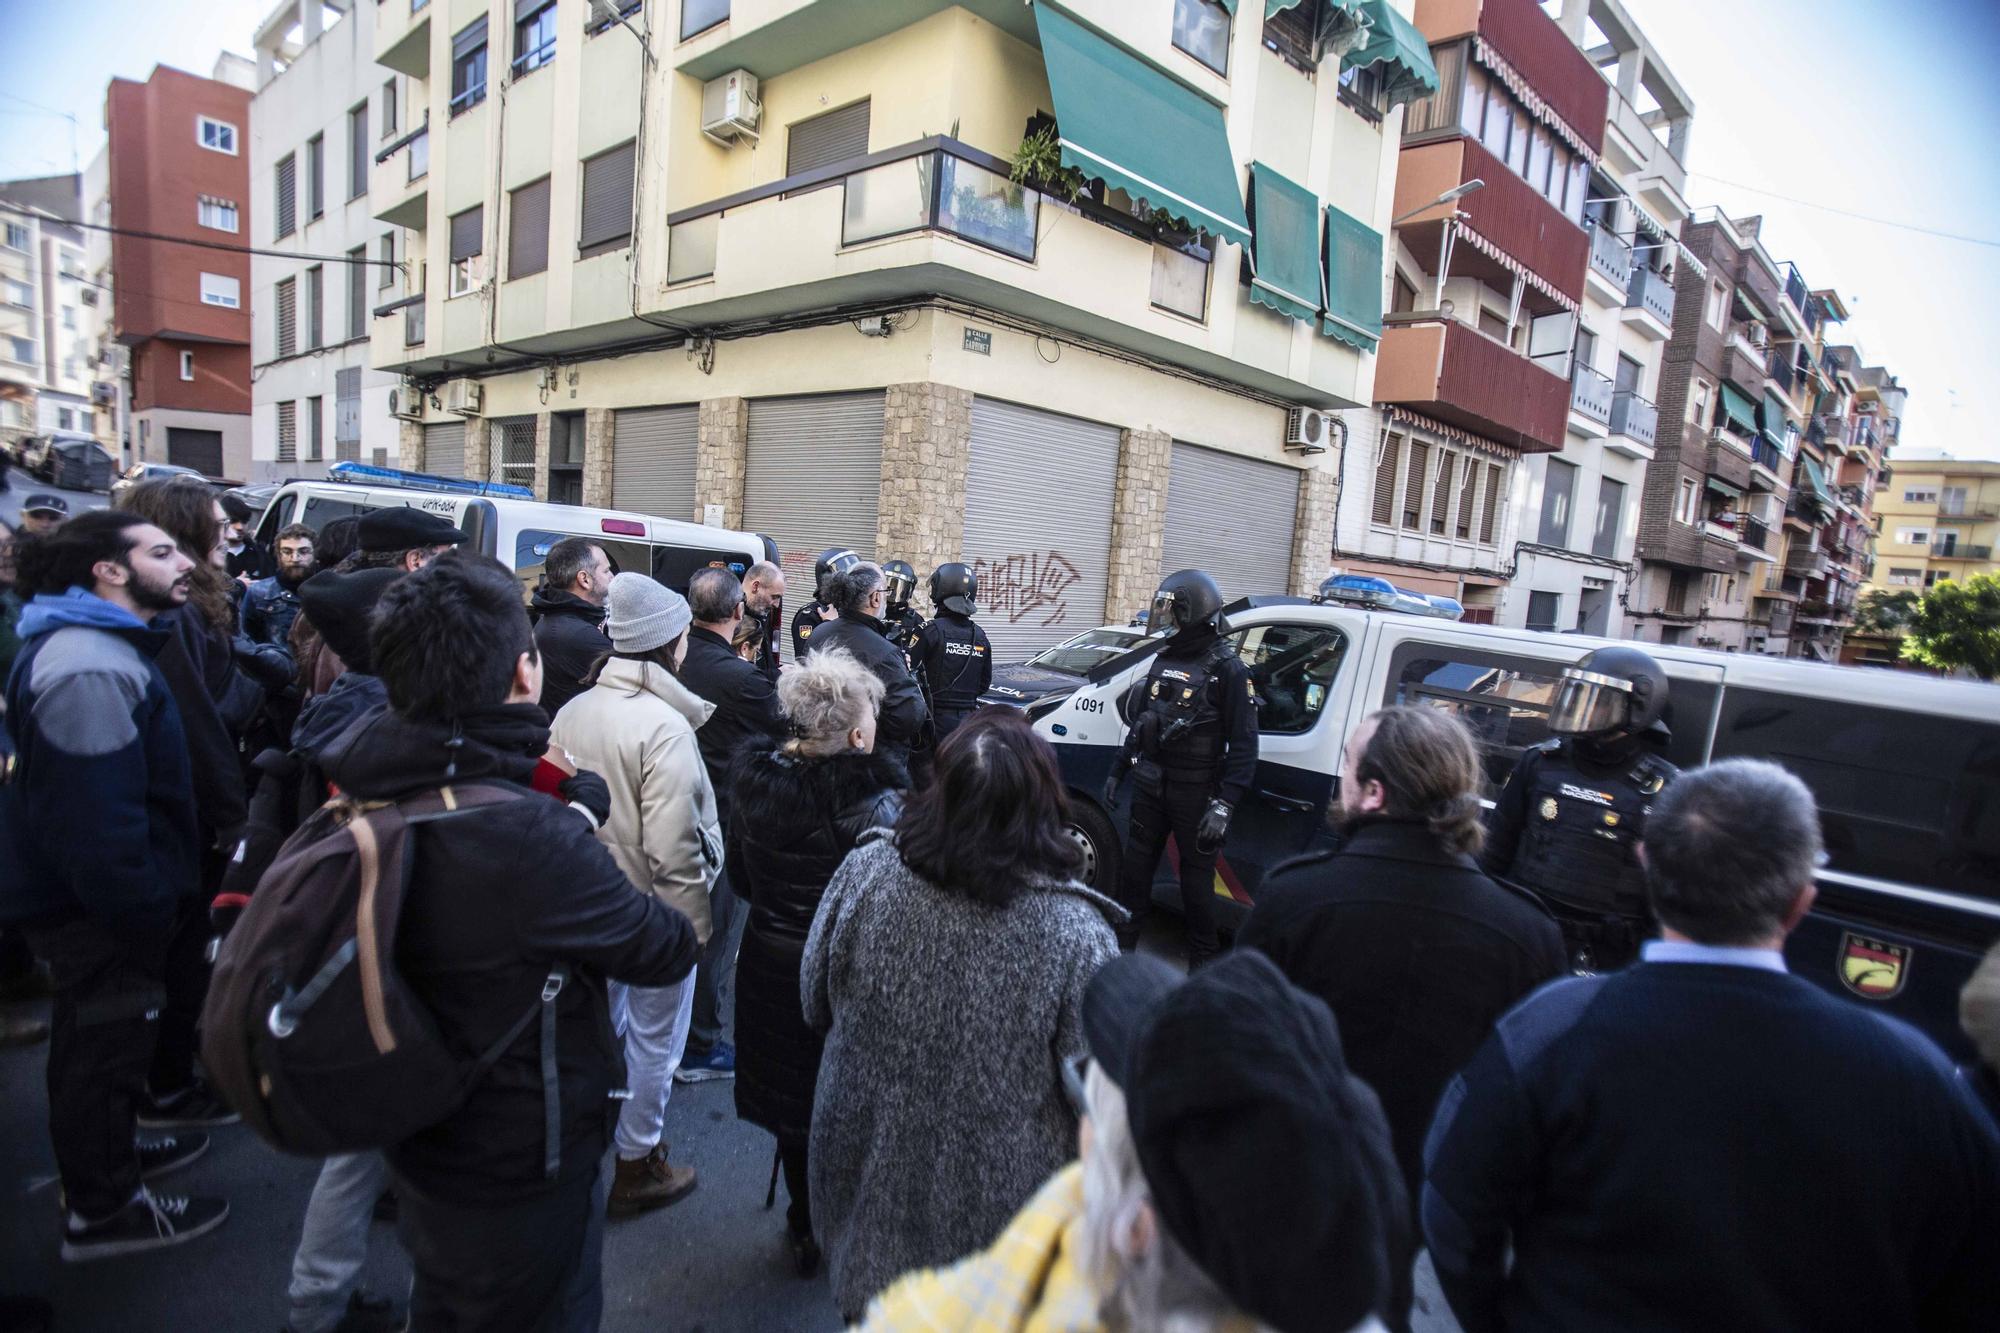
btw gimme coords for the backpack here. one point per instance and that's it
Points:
(309, 1031)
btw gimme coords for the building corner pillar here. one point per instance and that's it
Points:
(1312, 529)
(721, 458)
(410, 446)
(1138, 522)
(597, 457)
(926, 452)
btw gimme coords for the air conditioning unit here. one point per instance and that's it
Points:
(730, 109)
(88, 296)
(464, 397)
(1305, 431)
(406, 402)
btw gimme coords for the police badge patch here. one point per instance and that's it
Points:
(1873, 969)
(1548, 807)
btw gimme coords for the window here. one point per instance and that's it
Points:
(606, 222)
(1539, 149)
(1382, 504)
(1558, 488)
(315, 424)
(347, 414)
(1441, 492)
(1472, 110)
(1698, 403)
(288, 197)
(218, 136)
(1718, 306)
(389, 118)
(20, 294)
(1468, 479)
(315, 176)
(1543, 609)
(515, 437)
(388, 277)
(219, 289)
(1293, 668)
(626, 10)
(187, 365)
(69, 318)
(1413, 485)
(1503, 700)
(1362, 90)
(534, 34)
(1495, 479)
(17, 236)
(288, 432)
(1921, 495)
(357, 151)
(1913, 536)
(315, 307)
(357, 291)
(1687, 502)
(24, 350)
(1294, 34)
(1905, 578)
(288, 321)
(65, 419)
(1201, 28)
(1586, 347)
(1180, 279)
(701, 15)
(468, 246)
(1610, 509)
(528, 229)
(1402, 295)
(825, 140)
(468, 66)
(216, 214)
(1952, 499)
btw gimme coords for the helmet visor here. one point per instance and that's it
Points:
(900, 586)
(1587, 704)
(1161, 614)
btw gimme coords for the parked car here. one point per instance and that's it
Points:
(1044, 679)
(75, 463)
(139, 472)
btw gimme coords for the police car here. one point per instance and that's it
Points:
(1040, 682)
(1906, 769)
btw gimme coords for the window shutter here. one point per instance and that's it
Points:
(468, 234)
(357, 151)
(1466, 484)
(288, 196)
(315, 176)
(288, 432)
(1441, 492)
(357, 291)
(1492, 503)
(315, 427)
(315, 307)
(469, 39)
(1413, 484)
(837, 136)
(528, 230)
(347, 413)
(1384, 507)
(288, 317)
(607, 202)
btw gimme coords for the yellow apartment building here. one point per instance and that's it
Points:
(1936, 519)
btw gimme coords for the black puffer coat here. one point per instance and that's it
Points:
(807, 815)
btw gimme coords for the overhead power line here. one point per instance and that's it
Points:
(1849, 213)
(396, 264)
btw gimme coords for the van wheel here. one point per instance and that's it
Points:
(1098, 838)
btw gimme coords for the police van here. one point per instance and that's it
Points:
(509, 524)
(1906, 770)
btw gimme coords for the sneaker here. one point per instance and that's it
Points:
(647, 1182)
(368, 1314)
(193, 1107)
(169, 1153)
(150, 1222)
(718, 1063)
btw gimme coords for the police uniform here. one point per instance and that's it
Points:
(956, 662)
(1193, 740)
(903, 626)
(1567, 828)
(810, 617)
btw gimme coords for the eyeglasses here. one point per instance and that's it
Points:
(1073, 1070)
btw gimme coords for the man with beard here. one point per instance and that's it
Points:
(271, 605)
(98, 836)
(763, 597)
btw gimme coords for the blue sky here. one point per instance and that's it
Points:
(1876, 107)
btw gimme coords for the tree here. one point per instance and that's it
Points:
(1957, 627)
(1885, 612)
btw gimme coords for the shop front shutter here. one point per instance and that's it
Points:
(1233, 517)
(1038, 498)
(444, 449)
(814, 479)
(652, 460)
(198, 449)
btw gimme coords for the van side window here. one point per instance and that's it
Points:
(531, 550)
(676, 566)
(321, 510)
(1293, 668)
(1504, 701)
(1903, 796)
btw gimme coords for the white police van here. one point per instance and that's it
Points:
(1906, 769)
(509, 524)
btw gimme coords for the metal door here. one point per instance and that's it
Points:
(444, 449)
(813, 478)
(652, 460)
(1232, 516)
(198, 449)
(1038, 500)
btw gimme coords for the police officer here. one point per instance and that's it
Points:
(832, 561)
(902, 621)
(1568, 824)
(952, 654)
(1191, 752)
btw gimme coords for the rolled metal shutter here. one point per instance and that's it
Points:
(1232, 516)
(1039, 492)
(605, 221)
(528, 230)
(444, 449)
(288, 196)
(836, 136)
(814, 479)
(652, 460)
(468, 233)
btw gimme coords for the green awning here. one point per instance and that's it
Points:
(1774, 410)
(1229, 5)
(1130, 124)
(1285, 259)
(1394, 43)
(1815, 480)
(1728, 488)
(1353, 282)
(1737, 407)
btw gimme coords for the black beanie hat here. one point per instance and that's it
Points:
(342, 607)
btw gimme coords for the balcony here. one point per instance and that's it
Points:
(1590, 397)
(1649, 304)
(1635, 425)
(403, 36)
(1761, 284)
(1457, 374)
(1767, 466)
(1507, 212)
(1972, 511)
(1958, 551)
(399, 182)
(1727, 461)
(1832, 430)
(1781, 585)
(1745, 363)
(1795, 290)
(1610, 262)
(1806, 562)
(1754, 535)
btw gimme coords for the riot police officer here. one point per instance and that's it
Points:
(902, 622)
(952, 654)
(832, 561)
(1567, 825)
(1191, 753)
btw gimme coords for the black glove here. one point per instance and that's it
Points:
(1214, 826)
(1114, 782)
(588, 793)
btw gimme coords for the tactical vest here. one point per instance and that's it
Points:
(1580, 839)
(951, 665)
(1179, 725)
(809, 618)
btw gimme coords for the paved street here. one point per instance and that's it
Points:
(20, 486)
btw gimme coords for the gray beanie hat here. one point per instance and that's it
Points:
(644, 615)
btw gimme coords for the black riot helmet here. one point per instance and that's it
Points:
(954, 588)
(1186, 600)
(1616, 691)
(901, 581)
(833, 560)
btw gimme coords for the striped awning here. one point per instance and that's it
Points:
(1525, 93)
(1398, 415)
(1515, 266)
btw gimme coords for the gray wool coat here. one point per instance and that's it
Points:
(940, 1107)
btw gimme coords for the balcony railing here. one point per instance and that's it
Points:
(1957, 551)
(1766, 455)
(1795, 289)
(1609, 255)
(1807, 562)
(1832, 429)
(1652, 292)
(1753, 534)
(1447, 369)
(1783, 368)
(1967, 511)
(1590, 395)
(1634, 417)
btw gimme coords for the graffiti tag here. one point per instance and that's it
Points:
(1029, 584)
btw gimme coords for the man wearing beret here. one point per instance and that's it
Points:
(405, 538)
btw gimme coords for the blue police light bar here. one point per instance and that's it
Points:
(361, 474)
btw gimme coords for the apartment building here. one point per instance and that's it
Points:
(322, 110)
(1939, 519)
(108, 359)
(176, 168)
(763, 262)
(1485, 288)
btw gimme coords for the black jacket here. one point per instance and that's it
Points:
(497, 897)
(253, 560)
(746, 707)
(903, 713)
(807, 815)
(570, 638)
(218, 701)
(1417, 953)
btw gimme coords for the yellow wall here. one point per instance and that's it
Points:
(1982, 486)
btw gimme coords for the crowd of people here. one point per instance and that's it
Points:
(552, 842)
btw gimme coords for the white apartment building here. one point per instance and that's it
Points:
(322, 111)
(111, 397)
(45, 371)
(1578, 517)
